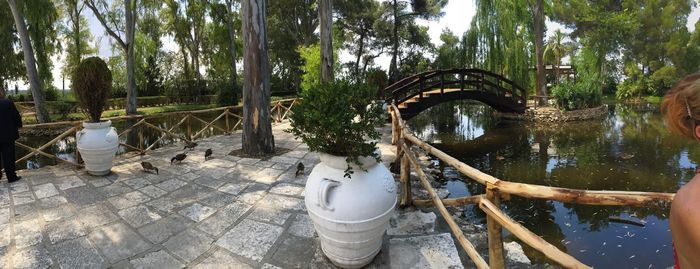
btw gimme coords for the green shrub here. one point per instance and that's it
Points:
(634, 88)
(92, 83)
(51, 93)
(663, 79)
(312, 66)
(226, 94)
(62, 108)
(339, 119)
(582, 94)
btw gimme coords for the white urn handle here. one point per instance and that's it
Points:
(324, 187)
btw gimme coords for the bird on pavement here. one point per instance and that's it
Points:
(300, 169)
(149, 167)
(178, 158)
(190, 145)
(207, 154)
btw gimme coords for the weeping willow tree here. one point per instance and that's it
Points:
(500, 39)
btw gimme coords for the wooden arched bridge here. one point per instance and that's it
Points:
(419, 92)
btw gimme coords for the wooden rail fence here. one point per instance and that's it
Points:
(496, 190)
(280, 110)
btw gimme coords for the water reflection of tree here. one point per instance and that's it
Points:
(452, 122)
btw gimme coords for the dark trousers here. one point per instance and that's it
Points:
(7, 153)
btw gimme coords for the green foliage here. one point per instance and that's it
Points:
(377, 79)
(451, 54)
(62, 108)
(226, 94)
(354, 30)
(582, 94)
(635, 85)
(290, 25)
(154, 80)
(398, 28)
(76, 33)
(12, 62)
(663, 79)
(218, 41)
(339, 119)
(92, 83)
(51, 93)
(650, 34)
(500, 39)
(311, 56)
(42, 17)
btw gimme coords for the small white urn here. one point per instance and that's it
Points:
(97, 144)
(350, 215)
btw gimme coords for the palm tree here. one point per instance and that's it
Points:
(557, 48)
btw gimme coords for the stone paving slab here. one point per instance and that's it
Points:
(226, 212)
(422, 252)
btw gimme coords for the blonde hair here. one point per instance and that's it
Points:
(681, 106)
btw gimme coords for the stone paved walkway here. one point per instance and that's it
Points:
(227, 212)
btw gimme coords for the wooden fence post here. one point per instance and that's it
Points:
(405, 178)
(228, 129)
(394, 129)
(78, 158)
(141, 145)
(495, 234)
(189, 127)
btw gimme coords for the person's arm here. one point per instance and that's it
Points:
(17, 116)
(685, 220)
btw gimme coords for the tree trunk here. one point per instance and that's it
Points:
(556, 70)
(42, 115)
(325, 15)
(539, 43)
(186, 65)
(257, 125)
(232, 45)
(359, 54)
(129, 12)
(3, 88)
(393, 67)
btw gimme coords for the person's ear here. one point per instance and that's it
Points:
(697, 132)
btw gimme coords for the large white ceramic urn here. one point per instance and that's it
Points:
(350, 214)
(97, 144)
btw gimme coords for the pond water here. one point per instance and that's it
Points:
(65, 149)
(629, 150)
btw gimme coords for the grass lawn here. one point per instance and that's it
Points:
(653, 99)
(609, 99)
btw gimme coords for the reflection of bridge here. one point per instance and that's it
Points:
(421, 91)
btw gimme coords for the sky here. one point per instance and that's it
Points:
(457, 18)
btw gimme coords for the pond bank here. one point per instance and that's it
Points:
(553, 114)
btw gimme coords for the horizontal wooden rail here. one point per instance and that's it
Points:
(530, 238)
(74, 126)
(469, 200)
(566, 195)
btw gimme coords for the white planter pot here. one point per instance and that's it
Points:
(350, 214)
(97, 144)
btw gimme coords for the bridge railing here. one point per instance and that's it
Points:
(463, 79)
(229, 118)
(497, 190)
